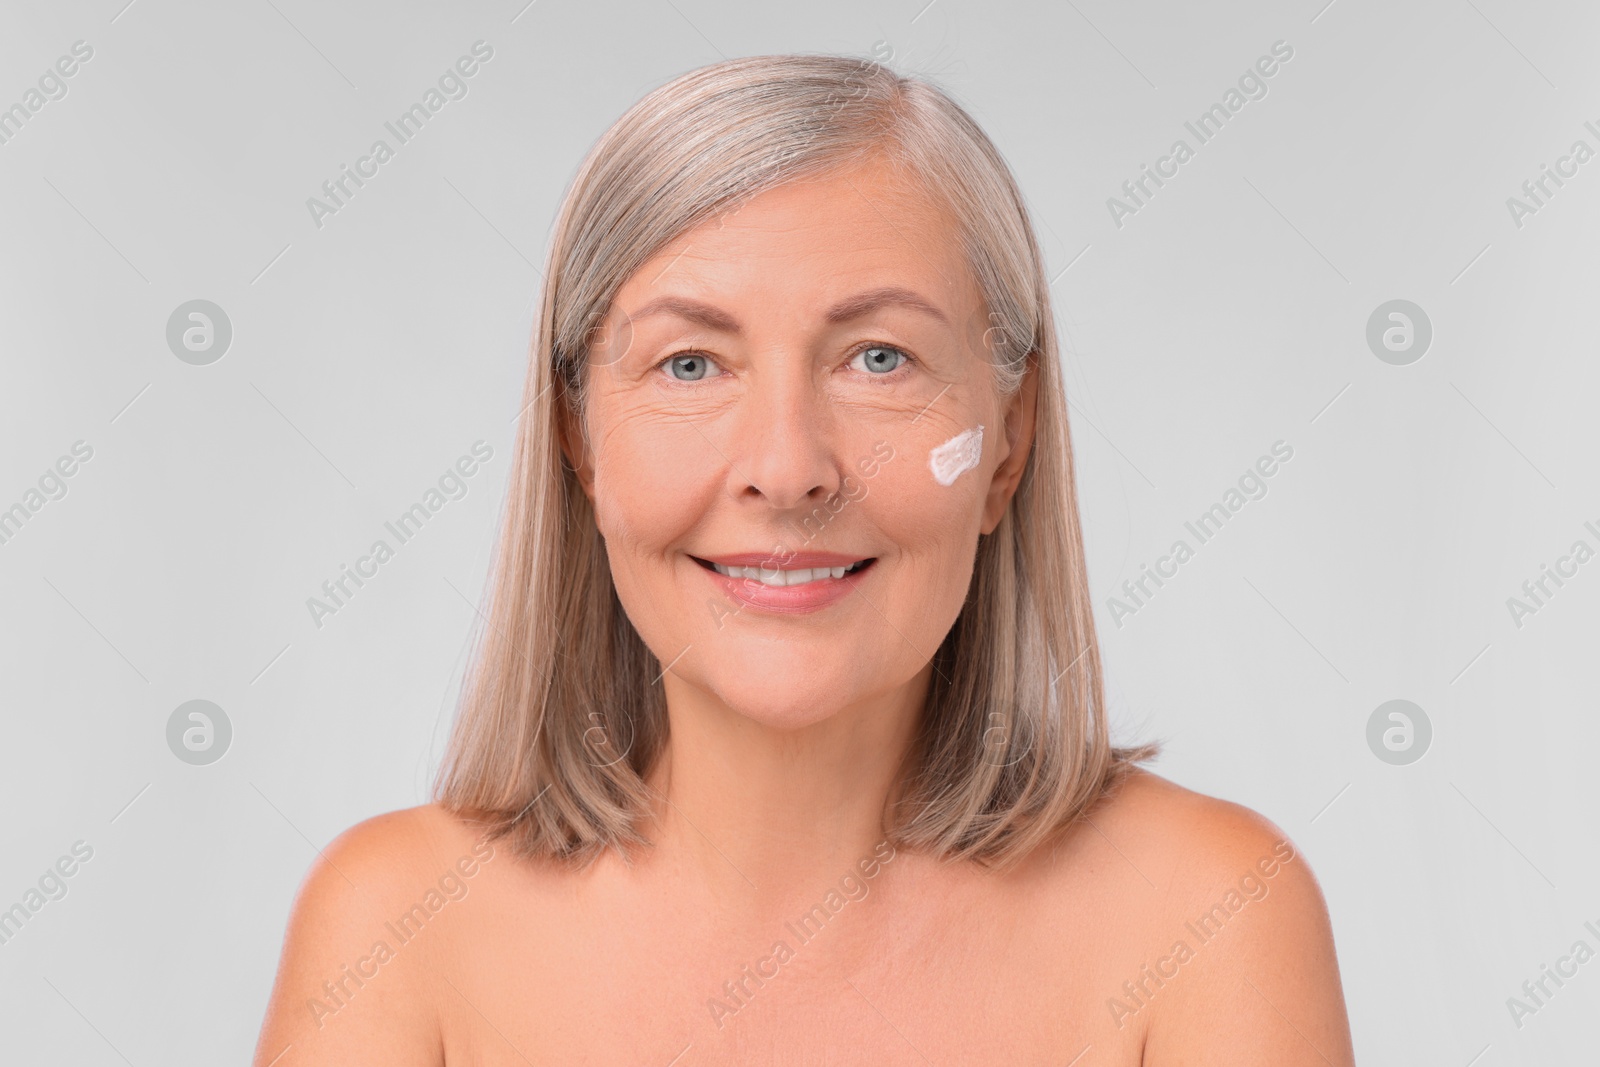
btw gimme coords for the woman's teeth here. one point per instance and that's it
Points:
(786, 577)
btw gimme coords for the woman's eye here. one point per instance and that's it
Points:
(689, 367)
(880, 359)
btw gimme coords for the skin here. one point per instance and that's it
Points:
(787, 731)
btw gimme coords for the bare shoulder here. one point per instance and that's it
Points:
(1180, 822)
(354, 977)
(1236, 963)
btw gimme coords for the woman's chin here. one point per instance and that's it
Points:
(769, 701)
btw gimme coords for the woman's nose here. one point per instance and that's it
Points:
(784, 451)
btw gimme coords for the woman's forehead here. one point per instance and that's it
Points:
(829, 238)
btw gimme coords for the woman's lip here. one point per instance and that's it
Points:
(786, 599)
(781, 560)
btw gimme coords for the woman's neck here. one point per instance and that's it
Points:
(767, 810)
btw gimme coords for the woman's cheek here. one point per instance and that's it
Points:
(917, 511)
(643, 485)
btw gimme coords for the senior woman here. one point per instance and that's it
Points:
(785, 739)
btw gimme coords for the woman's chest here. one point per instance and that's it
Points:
(890, 982)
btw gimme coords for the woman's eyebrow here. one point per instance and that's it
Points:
(712, 318)
(863, 303)
(883, 296)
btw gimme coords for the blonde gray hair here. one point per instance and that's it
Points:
(561, 718)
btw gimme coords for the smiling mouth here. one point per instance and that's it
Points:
(779, 576)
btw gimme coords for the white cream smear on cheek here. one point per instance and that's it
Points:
(956, 456)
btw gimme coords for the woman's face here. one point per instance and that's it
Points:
(798, 386)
